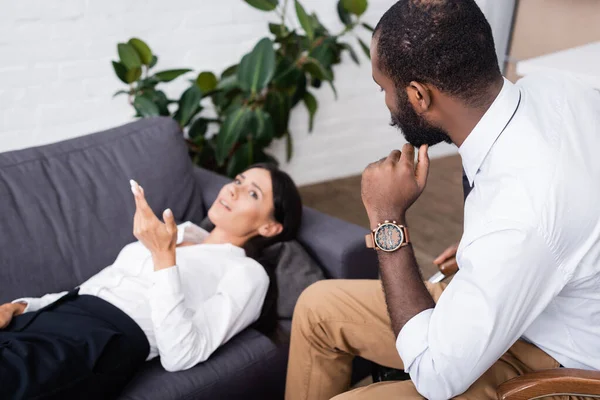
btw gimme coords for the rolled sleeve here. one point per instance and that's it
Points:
(412, 339)
(508, 276)
(36, 303)
(33, 304)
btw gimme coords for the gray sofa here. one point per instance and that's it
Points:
(66, 211)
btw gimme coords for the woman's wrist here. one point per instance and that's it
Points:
(163, 259)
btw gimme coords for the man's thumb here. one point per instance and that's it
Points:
(169, 220)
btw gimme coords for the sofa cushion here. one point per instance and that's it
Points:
(67, 208)
(295, 271)
(250, 366)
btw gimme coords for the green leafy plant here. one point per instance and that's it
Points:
(253, 99)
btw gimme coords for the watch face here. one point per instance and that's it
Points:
(389, 237)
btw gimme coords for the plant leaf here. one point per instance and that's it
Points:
(317, 70)
(353, 55)
(278, 106)
(119, 92)
(356, 7)
(231, 70)
(299, 90)
(170, 74)
(189, 105)
(286, 73)
(153, 61)
(231, 131)
(304, 20)
(145, 107)
(128, 56)
(264, 126)
(120, 71)
(264, 5)
(133, 75)
(207, 81)
(159, 98)
(257, 67)
(343, 14)
(335, 93)
(324, 53)
(367, 26)
(198, 128)
(142, 49)
(228, 83)
(289, 146)
(241, 159)
(278, 30)
(365, 48)
(311, 105)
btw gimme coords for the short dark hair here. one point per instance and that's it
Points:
(446, 43)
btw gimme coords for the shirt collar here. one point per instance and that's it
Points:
(481, 139)
(226, 247)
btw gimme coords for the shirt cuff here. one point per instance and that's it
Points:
(167, 280)
(33, 304)
(412, 339)
(181, 231)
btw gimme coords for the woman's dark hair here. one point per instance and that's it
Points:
(287, 210)
(447, 43)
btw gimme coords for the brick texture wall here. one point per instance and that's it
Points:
(56, 80)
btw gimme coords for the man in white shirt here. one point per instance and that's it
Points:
(527, 296)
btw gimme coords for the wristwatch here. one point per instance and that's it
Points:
(388, 236)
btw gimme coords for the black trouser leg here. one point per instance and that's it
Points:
(84, 348)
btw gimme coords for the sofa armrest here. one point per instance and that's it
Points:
(338, 246)
(210, 183)
(559, 381)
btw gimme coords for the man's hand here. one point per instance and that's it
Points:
(157, 237)
(8, 311)
(391, 185)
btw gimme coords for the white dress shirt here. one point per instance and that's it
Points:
(186, 311)
(529, 257)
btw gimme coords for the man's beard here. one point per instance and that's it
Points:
(414, 128)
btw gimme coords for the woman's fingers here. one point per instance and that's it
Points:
(170, 221)
(140, 199)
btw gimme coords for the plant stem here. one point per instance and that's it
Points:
(347, 29)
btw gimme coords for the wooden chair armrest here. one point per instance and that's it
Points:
(559, 381)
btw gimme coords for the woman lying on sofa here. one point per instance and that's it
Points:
(180, 292)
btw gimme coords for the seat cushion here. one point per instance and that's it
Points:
(250, 366)
(67, 208)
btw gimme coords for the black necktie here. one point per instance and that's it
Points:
(466, 186)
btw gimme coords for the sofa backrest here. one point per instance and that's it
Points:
(66, 209)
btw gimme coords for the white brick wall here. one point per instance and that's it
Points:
(56, 80)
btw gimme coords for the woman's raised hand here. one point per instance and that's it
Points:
(160, 238)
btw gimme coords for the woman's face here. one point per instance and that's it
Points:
(244, 207)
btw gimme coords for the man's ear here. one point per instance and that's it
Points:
(419, 96)
(270, 229)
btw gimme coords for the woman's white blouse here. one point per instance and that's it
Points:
(186, 311)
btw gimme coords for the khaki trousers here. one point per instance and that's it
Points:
(335, 320)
